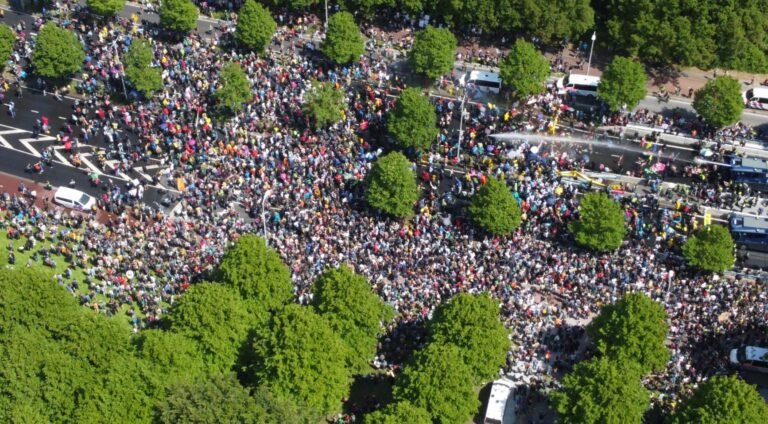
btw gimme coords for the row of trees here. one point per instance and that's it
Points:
(629, 337)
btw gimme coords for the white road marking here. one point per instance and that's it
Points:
(41, 138)
(88, 163)
(25, 142)
(61, 157)
(5, 143)
(33, 111)
(13, 132)
(62, 118)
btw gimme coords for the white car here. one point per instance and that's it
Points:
(73, 199)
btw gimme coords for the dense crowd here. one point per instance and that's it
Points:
(310, 183)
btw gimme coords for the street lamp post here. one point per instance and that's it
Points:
(264, 198)
(122, 70)
(461, 125)
(589, 62)
(326, 15)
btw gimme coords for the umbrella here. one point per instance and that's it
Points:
(706, 153)
(659, 167)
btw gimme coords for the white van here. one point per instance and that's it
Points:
(750, 358)
(756, 98)
(501, 403)
(580, 85)
(74, 199)
(482, 81)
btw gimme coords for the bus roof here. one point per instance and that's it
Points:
(749, 224)
(583, 79)
(484, 76)
(753, 353)
(501, 391)
(747, 164)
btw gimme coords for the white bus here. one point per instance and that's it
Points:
(756, 98)
(501, 403)
(482, 81)
(581, 85)
(750, 358)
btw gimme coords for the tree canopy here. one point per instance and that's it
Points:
(343, 41)
(719, 102)
(601, 391)
(234, 88)
(138, 70)
(257, 272)
(633, 329)
(7, 40)
(58, 52)
(495, 209)
(178, 15)
(433, 52)
(471, 323)
(439, 381)
(255, 26)
(600, 225)
(345, 299)
(399, 413)
(170, 358)
(218, 398)
(392, 185)
(413, 121)
(622, 84)
(325, 104)
(710, 249)
(106, 7)
(524, 69)
(217, 318)
(301, 359)
(722, 399)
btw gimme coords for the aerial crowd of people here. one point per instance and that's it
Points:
(267, 168)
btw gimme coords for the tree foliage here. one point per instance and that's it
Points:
(58, 52)
(218, 398)
(169, 358)
(343, 41)
(439, 381)
(632, 330)
(601, 391)
(719, 102)
(345, 299)
(433, 52)
(722, 399)
(178, 15)
(257, 272)
(255, 26)
(399, 413)
(325, 104)
(622, 83)
(413, 121)
(600, 226)
(234, 88)
(392, 185)
(524, 69)
(217, 318)
(495, 209)
(710, 249)
(301, 359)
(106, 7)
(137, 61)
(7, 40)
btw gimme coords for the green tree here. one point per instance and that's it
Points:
(471, 323)
(722, 399)
(433, 52)
(257, 272)
(7, 40)
(601, 391)
(169, 358)
(495, 209)
(106, 7)
(214, 316)
(525, 69)
(138, 70)
(255, 26)
(354, 312)
(279, 410)
(301, 359)
(392, 185)
(216, 399)
(623, 84)
(633, 329)
(600, 226)
(325, 104)
(58, 52)
(719, 102)
(234, 88)
(413, 121)
(439, 381)
(343, 41)
(710, 249)
(178, 15)
(399, 413)
(366, 8)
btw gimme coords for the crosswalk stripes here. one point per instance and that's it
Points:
(6, 132)
(25, 142)
(88, 164)
(5, 143)
(59, 156)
